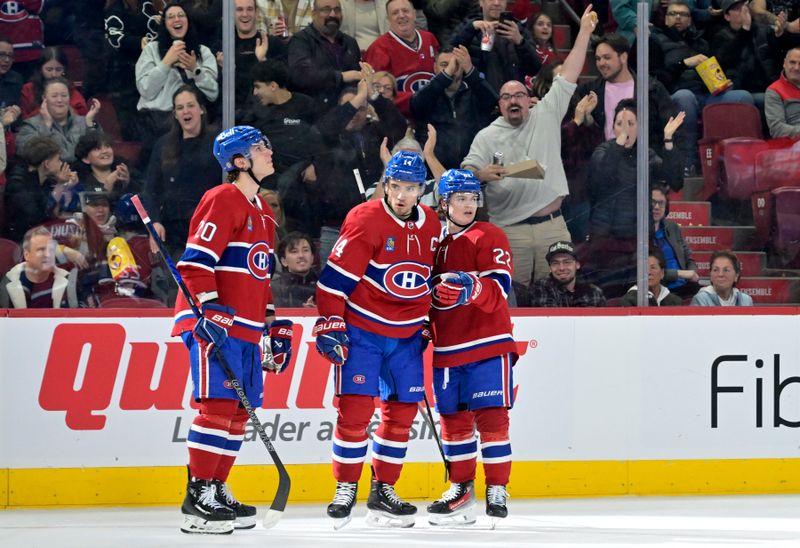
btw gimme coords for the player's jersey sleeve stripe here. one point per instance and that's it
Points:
(502, 278)
(337, 281)
(342, 271)
(327, 289)
(201, 250)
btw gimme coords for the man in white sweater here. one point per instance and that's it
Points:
(529, 210)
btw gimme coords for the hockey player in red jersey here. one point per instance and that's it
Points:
(226, 266)
(473, 352)
(374, 295)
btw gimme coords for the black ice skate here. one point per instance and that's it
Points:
(496, 497)
(386, 509)
(456, 507)
(245, 514)
(202, 512)
(343, 502)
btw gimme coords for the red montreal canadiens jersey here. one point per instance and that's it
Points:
(378, 276)
(481, 330)
(229, 251)
(413, 68)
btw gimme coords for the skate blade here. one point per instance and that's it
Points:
(338, 523)
(460, 518)
(271, 518)
(493, 521)
(378, 518)
(244, 522)
(198, 525)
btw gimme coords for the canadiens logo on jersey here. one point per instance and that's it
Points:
(389, 244)
(258, 260)
(12, 11)
(414, 82)
(407, 280)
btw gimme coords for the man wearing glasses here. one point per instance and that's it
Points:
(529, 210)
(322, 59)
(10, 81)
(676, 49)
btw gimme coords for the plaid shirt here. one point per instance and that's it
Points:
(547, 292)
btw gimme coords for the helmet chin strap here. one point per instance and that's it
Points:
(450, 219)
(413, 211)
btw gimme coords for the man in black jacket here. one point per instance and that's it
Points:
(676, 49)
(322, 59)
(458, 102)
(511, 54)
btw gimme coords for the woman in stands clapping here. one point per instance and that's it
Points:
(53, 65)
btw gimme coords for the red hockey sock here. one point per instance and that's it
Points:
(208, 436)
(459, 444)
(390, 441)
(235, 438)
(350, 437)
(495, 444)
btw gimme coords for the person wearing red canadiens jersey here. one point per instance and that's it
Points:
(374, 295)
(227, 266)
(473, 352)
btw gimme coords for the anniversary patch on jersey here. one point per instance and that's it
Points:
(389, 244)
(258, 260)
(407, 280)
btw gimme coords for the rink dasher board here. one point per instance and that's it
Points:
(608, 402)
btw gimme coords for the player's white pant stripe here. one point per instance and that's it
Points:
(384, 458)
(389, 443)
(350, 444)
(496, 460)
(211, 449)
(506, 367)
(348, 460)
(466, 456)
(209, 431)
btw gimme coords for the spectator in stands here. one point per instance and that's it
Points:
(10, 80)
(296, 285)
(22, 25)
(288, 117)
(97, 169)
(445, 16)
(385, 84)
(56, 120)
(405, 51)
(617, 82)
(529, 210)
(725, 272)
(561, 287)
(129, 26)
(322, 59)
(458, 102)
(657, 294)
(681, 271)
(35, 186)
(768, 12)
(275, 202)
(37, 282)
(206, 16)
(176, 58)
(352, 133)
(53, 65)
(512, 55)
(675, 51)
(251, 47)
(747, 51)
(181, 169)
(782, 99)
(541, 29)
(293, 20)
(624, 12)
(147, 277)
(612, 184)
(364, 20)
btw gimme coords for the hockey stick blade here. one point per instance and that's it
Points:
(278, 505)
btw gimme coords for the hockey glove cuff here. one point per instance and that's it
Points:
(457, 288)
(332, 340)
(213, 326)
(276, 346)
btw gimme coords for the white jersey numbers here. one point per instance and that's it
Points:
(501, 256)
(338, 249)
(206, 231)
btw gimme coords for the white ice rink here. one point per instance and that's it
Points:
(740, 521)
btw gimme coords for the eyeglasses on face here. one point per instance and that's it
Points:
(518, 95)
(327, 10)
(678, 13)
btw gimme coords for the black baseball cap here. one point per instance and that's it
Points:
(561, 247)
(726, 5)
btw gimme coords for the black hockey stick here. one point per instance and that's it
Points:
(428, 416)
(275, 512)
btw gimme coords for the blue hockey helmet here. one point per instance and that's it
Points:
(458, 180)
(125, 211)
(236, 141)
(406, 166)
